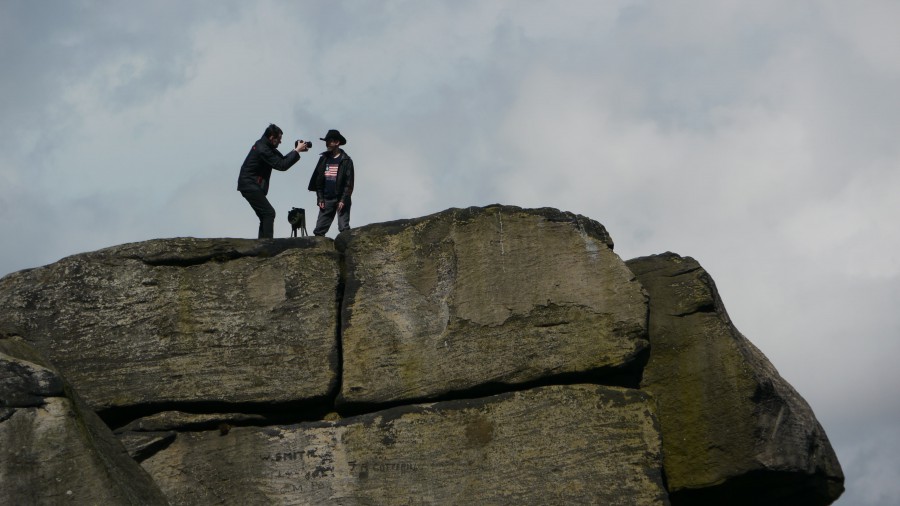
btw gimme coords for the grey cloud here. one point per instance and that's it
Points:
(128, 52)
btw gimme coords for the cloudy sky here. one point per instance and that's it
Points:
(758, 137)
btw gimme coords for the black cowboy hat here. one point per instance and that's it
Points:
(334, 134)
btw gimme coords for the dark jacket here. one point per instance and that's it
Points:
(257, 167)
(344, 183)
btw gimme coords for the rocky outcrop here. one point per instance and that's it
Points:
(735, 432)
(493, 297)
(53, 448)
(197, 321)
(491, 355)
(550, 445)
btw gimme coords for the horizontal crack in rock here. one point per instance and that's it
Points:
(705, 308)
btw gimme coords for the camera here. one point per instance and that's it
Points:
(298, 143)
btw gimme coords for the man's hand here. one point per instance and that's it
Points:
(340, 207)
(300, 146)
(322, 205)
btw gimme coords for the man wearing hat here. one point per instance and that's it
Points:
(333, 183)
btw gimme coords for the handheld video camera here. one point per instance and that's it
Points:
(298, 143)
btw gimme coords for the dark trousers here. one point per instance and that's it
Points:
(326, 216)
(264, 211)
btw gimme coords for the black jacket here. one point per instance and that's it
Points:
(257, 167)
(344, 183)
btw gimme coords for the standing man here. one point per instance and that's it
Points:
(333, 183)
(253, 181)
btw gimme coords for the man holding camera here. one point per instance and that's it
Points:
(333, 183)
(253, 181)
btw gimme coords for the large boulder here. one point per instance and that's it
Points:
(185, 321)
(576, 444)
(734, 431)
(53, 448)
(490, 355)
(475, 299)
